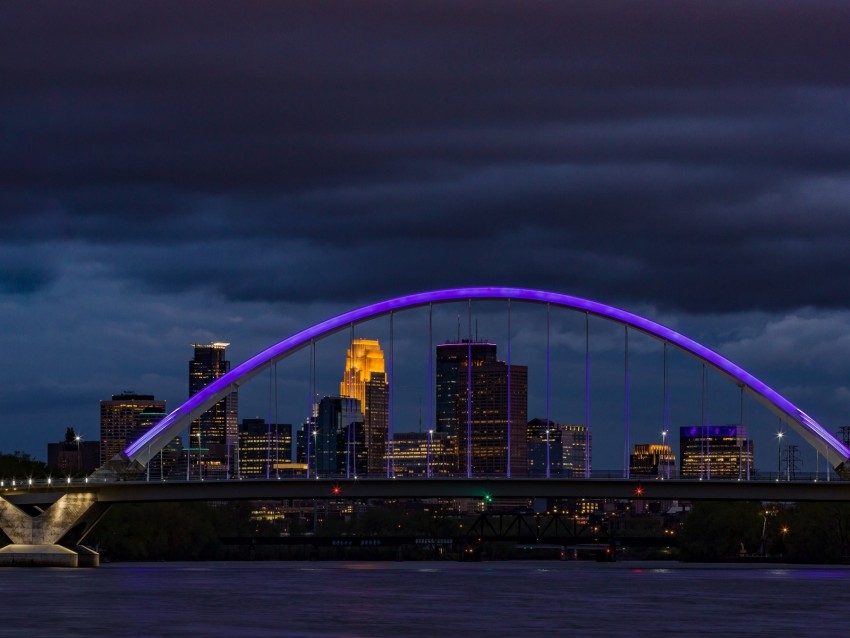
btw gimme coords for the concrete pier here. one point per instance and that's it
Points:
(19, 555)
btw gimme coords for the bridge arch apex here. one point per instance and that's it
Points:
(142, 450)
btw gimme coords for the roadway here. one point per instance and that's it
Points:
(422, 488)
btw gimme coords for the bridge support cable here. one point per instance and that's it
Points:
(309, 426)
(276, 428)
(627, 404)
(391, 401)
(469, 389)
(430, 386)
(746, 438)
(705, 443)
(508, 473)
(548, 393)
(586, 395)
(665, 416)
(269, 426)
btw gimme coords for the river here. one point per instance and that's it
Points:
(377, 599)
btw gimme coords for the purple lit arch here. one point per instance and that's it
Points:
(156, 438)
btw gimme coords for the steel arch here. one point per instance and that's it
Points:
(157, 437)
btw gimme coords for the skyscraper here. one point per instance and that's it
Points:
(652, 460)
(120, 420)
(339, 438)
(264, 448)
(365, 379)
(708, 451)
(476, 409)
(216, 431)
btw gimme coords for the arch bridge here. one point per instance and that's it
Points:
(43, 524)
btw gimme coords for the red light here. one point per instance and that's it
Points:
(639, 490)
(335, 490)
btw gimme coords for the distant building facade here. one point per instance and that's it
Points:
(264, 448)
(338, 439)
(73, 456)
(214, 435)
(421, 453)
(122, 420)
(545, 448)
(709, 451)
(652, 460)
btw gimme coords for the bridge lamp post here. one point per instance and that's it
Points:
(779, 436)
(315, 452)
(428, 455)
(664, 452)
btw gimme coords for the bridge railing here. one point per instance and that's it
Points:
(18, 483)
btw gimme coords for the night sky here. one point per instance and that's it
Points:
(184, 172)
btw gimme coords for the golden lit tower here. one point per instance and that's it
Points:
(365, 379)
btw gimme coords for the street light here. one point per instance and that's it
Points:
(428, 454)
(664, 452)
(779, 436)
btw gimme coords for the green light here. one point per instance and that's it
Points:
(488, 498)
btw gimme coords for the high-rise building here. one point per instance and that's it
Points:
(119, 421)
(545, 447)
(652, 460)
(577, 443)
(421, 454)
(264, 448)
(216, 431)
(338, 439)
(476, 410)
(709, 451)
(365, 379)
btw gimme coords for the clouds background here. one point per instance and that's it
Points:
(171, 174)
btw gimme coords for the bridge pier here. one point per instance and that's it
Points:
(46, 529)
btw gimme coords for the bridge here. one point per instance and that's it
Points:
(45, 521)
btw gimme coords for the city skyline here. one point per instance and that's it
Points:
(214, 175)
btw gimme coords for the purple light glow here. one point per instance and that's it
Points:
(178, 420)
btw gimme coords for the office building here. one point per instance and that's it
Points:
(365, 379)
(213, 436)
(422, 454)
(73, 456)
(264, 448)
(476, 411)
(545, 448)
(652, 461)
(121, 423)
(338, 439)
(708, 451)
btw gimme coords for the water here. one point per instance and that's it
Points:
(358, 599)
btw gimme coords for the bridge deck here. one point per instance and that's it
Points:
(138, 492)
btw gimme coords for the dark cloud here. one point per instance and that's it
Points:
(165, 167)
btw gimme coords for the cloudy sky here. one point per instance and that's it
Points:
(182, 172)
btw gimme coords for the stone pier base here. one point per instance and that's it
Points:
(19, 555)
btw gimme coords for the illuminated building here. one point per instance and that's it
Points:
(544, 435)
(577, 445)
(365, 379)
(473, 407)
(119, 425)
(567, 444)
(215, 432)
(715, 452)
(338, 445)
(652, 460)
(264, 448)
(415, 452)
